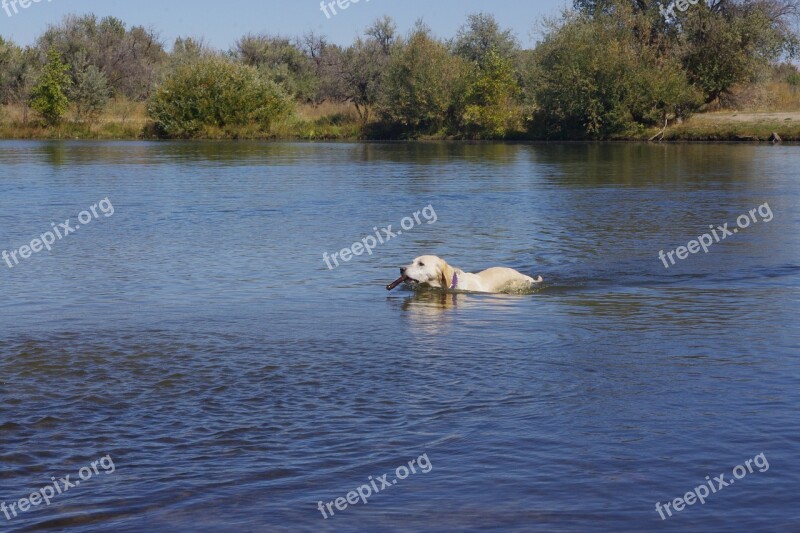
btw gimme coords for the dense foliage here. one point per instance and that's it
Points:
(604, 68)
(48, 96)
(216, 93)
(594, 77)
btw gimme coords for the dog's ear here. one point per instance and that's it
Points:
(446, 274)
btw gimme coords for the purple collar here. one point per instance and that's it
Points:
(454, 284)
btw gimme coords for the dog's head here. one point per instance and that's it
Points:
(429, 270)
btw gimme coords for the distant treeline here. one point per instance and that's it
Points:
(603, 68)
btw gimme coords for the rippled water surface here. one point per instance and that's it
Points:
(197, 338)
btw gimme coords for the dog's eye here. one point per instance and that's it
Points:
(422, 264)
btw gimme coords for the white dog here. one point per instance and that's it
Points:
(432, 271)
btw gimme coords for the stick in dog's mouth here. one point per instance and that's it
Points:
(396, 282)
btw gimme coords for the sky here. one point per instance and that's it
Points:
(223, 22)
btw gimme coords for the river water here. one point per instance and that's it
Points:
(191, 334)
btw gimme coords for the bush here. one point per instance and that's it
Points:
(212, 94)
(734, 44)
(128, 57)
(594, 78)
(490, 107)
(90, 91)
(282, 61)
(48, 97)
(420, 83)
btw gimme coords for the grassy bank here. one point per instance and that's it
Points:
(121, 120)
(129, 121)
(737, 126)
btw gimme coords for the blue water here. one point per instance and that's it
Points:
(197, 339)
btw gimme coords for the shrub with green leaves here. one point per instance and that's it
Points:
(90, 91)
(421, 80)
(490, 106)
(215, 93)
(594, 77)
(48, 96)
(282, 61)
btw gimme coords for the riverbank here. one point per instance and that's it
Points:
(737, 126)
(125, 120)
(129, 121)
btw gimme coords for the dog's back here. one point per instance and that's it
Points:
(502, 279)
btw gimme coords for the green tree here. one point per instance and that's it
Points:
(597, 7)
(48, 96)
(282, 60)
(90, 91)
(358, 72)
(19, 69)
(8, 54)
(490, 106)
(186, 50)
(421, 83)
(128, 58)
(384, 32)
(216, 93)
(747, 38)
(720, 43)
(481, 36)
(594, 77)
